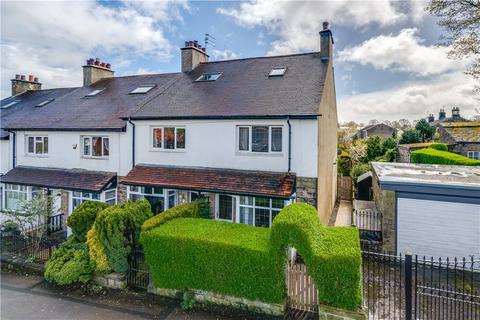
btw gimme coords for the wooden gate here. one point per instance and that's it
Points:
(302, 292)
(344, 188)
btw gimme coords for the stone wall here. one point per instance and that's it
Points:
(331, 313)
(64, 199)
(386, 205)
(113, 280)
(463, 148)
(307, 190)
(121, 191)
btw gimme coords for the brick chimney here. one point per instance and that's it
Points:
(21, 84)
(192, 55)
(442, 114)
(455, 112)
(326, 43)
(95, 70)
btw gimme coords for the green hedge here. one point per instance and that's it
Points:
(227, 258)
(185, 210)
(438, 146)
(245, 261)
(83, 217)
(332, 255)
(432, 156)
(117, 227)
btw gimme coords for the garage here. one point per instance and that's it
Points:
(428, 210)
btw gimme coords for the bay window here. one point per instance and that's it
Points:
(260, 139)
(16, 195)
(79, 197)
(96, 146)
(168, 138)
(37, 145)
(160, 199)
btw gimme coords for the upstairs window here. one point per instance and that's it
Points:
(277, 72)
(96, 147)
(37, 145)
(94, 93)
(142, 89)
(168, 138)
(44, 103)
(261, 139)
(209, 76)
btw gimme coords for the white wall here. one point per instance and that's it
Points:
(62, 154)
(213, 143)
(5, 156)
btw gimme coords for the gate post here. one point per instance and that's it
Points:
(408, 286)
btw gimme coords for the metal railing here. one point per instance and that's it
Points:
(55, 223)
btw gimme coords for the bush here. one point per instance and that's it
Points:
(433, 156)
(117, 228)
(388, 144)
(83, 217)
(96, 251)
(438, 146)
(332, 255)
(227, 258)
(411, 136)
(185, 210)
(374, 148)
(69, 264)
(358, 170)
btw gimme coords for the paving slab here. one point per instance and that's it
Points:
(344, 214)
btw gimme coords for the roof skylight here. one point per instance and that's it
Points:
(277, 72)
(9, 104)
(142, 89)
(209, 76)
(94, 93)
(44, 103)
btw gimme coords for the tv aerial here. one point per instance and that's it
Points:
(209, 40)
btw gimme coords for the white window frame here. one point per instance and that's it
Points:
(250, 139)
(162, 148)
(27, 190)
(44, 138)
(84, 196)
(475, 155)
(234, 207)
(90, 155)
(254, 206)
(165, 194)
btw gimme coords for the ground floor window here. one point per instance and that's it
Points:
(78, 197)
(160, 199)
(259, 211)
(111, 197)
(15, 195)
(225, 207)
(475, 155)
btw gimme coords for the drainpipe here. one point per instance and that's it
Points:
(14, 154)
(289, 144)
(133, 141)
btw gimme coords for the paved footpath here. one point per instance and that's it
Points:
(30, 297)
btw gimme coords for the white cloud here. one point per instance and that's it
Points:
(297, 23)
(223, 54)
(49, 38)
(402, 52)
(412, 100)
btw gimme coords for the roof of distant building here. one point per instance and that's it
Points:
(463, 131)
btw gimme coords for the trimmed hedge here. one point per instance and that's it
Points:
(245, 261)
(116, 228)
(185, 210)
(432, 156)
(83, 217)
(438, 146)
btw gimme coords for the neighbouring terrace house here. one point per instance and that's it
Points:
(461, 137)
(251, 135)
(431, 210)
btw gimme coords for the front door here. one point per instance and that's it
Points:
(225, 207)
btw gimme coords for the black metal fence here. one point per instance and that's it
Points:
(27, 246)
(138, 274)
(412, 287)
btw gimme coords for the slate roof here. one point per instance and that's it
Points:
(273, 184)
(69, 179)
(463, 131)
(243, 90)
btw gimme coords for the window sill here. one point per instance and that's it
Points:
(95, 158)
(259, 154)
(33, 155)
(168, 150)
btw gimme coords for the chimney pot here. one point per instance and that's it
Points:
(30, 78)
(22, 77)
(325, 25)
(192, 55)
(35, 79)
(17, 77)
(108, 65)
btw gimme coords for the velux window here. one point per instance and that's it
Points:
(209, 76)
(168, 138)
(93, 146)
(7, 103)
(43, 103)
(94, 93)
(37, 145)
(260, 138)
(277, 72)
(142, 89)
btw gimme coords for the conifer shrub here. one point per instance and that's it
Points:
(83, 217)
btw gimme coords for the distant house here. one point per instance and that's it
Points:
(442, 117)
(380, 129)
(405, 150)
(461, 137)
(431, 210)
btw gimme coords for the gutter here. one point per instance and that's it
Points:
(219, 117)
(289, 144)
(133, 142)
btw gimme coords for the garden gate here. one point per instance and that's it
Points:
(344, 188)
(302, 292)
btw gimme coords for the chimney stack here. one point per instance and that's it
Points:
(326, 43)
(431, 118)
(455, 112)
(21, 84)
(95, 70)
(442, 114)
(192, 55)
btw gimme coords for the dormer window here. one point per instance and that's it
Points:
(142, 89)
(94, 93)
(277, 72)
(209, 77)
(44, 103)
(8, 104)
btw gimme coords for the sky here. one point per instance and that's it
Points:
(390, 61)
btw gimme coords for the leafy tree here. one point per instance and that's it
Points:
(374, 148)
(358, 170)
(358, 151)
(461, 20)
(404, 124)
(389, 143)
(426, 130)
(410, 136)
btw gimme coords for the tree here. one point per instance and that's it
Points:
(410, 136)
(426, 130)
(374, 148)
(461, 20)
(404, 124)
(358, 151)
